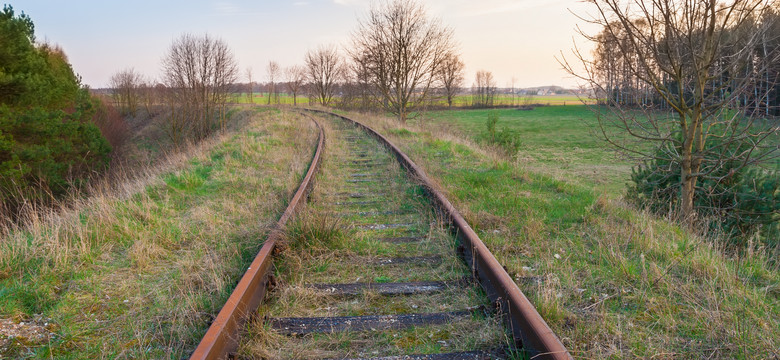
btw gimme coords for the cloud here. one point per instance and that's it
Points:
(226, 7)
(301, 3)
(347, 2)
(467, 8)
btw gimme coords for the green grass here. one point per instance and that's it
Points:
(139, 272)
(518, 100)
(458, 101)
(611, 281)
(555, 140)
(262, 99)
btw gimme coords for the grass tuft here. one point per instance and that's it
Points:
(315, 231)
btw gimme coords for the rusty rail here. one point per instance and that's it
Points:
(529, 330)
(221, 337)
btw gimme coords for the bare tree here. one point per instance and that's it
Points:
(403, 49)
(126, 86)
(272, 71)
(250, 88)
(151, 96)
(198, 71)
(676, 51)
(325, 68)
(484, 89)
(451, 76)
(296, 77)
(362, 84)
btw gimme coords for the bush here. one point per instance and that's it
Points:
(492, 120)
(744, 204)
(45, 152)
(507, 139)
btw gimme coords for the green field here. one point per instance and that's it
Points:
(260, 98)
(517, 100)
(554, 140)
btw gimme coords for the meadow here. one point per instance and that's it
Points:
(555, 140)
(261, 98)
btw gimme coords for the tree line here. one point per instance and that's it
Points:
(744, 69)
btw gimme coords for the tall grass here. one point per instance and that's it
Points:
(140, 267)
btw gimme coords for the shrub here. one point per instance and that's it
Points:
(739, 202)
(492, 120)
(49, 150)
(507, 139)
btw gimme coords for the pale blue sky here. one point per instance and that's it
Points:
(511, 38)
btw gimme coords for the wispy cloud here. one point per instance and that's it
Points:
(301, 3)
(468, 8)
(348, 2)
(226, 7)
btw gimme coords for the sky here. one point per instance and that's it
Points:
(511, 38)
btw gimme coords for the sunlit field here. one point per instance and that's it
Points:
(261, 98)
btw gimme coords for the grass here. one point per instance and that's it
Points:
(554, 140)
(518, 100)
(458, 101)
(262, 99)
(139, 270)
(335, 240)
(611, 281)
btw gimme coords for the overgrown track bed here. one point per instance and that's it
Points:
(370, 270)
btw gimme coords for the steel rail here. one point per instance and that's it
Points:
(222, 336)
(529, 329)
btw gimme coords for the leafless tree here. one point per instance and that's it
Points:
(361, 78)
(324, 69)
(296, 77)
(483, 91)
(700, 117)
(126, 86)
(273, 71)
(151, 96)
(403, 49)
(250, 88)
(451, 76)
(198, 71)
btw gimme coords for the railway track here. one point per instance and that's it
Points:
(386, 279)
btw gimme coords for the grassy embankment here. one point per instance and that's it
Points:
(138, 270)
(611, 281)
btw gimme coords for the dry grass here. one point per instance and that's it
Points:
(138, 268)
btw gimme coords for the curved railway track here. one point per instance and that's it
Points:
(396, 287)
